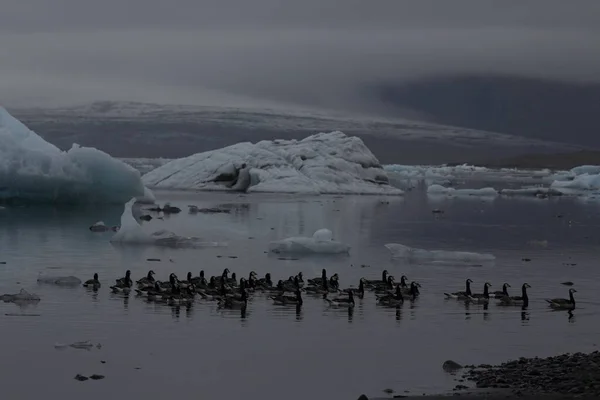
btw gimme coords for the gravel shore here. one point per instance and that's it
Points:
(567, 374)
(564, 377)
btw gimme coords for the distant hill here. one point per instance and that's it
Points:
(125, 129)
(552, 161)
(527, 107)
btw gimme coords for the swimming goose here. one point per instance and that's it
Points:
(522, 300)
(94, 282)
(200, 281)
(232, 281)
(461, 295)
(481, 297)
(182, 297)
(384, 279)
(225, 275)
(148, 280)
(169, 284)
(360, 291)
(233, 303)
(123, 285)
(334, 283)
(286, 300)
(392, 300)
(318, 281)
(403, 283)
(266, 282)
(300, 277)
(412, 290)
(291, 284)
(563, 304)
(341, 301)
(501, 293)
(277, 288)
(321, 289)
(387, 287)
(187, 282)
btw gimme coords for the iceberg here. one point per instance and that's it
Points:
(33, 170)
(320, 243)
(441, 190)
(325, 163)
(437, 256)
(540, 192)
(583, 182)
(131, 232)
(60, 280)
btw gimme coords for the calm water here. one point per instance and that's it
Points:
(273, 352)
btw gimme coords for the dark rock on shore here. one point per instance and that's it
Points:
(570, 374)
(450, 365)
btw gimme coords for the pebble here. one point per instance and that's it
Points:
(81, 378)
(96, 377)
(564, 374)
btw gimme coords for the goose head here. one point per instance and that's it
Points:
(300, 275)
(96, 277)
(571, 291)
(526, 286)
(189, 276)
(506, 285)
(201, 273)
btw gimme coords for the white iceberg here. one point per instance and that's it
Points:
(441, 190)
(131, 232)
(32, 169)
(320, 243)
(583, 182)
(438, 256)
(325, 163)
(22, 297)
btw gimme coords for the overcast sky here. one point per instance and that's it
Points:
(320, 52)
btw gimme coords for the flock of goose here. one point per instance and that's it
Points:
(505, 299)
(229, 292)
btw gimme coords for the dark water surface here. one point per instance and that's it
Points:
(273, 352)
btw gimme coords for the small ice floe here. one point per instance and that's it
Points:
(320, 243)
(193, 209)
(131, 232)
(59, 280)
(22, 297)
(99, 226)
(85, 345)
(448, 191)
(437, 256)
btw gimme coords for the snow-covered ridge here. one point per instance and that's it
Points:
(34, 170)
(325, 163)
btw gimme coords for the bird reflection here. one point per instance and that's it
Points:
(486, 314)
(467, 309)
(398, 313)
(350, 314)
(299, 314)
(571, 316)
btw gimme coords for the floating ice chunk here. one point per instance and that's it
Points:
(580, 182)
(330, 163)
(87, 345)
(421, 255)
(323, 235)
(60, 280)
(33, 170)
(22, 297)
(586, 169)
(321, 243)
(131, 232)
(532, 191)
(441, 190)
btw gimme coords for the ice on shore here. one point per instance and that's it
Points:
(59, 280)
(33, 170)
(325, 163)
(440, 256)
(320, 243)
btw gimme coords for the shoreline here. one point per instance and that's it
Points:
(561, 377)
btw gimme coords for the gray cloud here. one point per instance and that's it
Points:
(309, 52)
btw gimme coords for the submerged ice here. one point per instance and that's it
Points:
(320, 243)
(325, 163)
(437, 256)
(131, 232)
(34, 170)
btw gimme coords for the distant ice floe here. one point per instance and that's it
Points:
(59, 280)
(22, 297)
(33, 170)
(320, 243)
(131, 232)
(411, 254)
(325, 163)
(532, 191)
(409, 176)
(441, 190)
